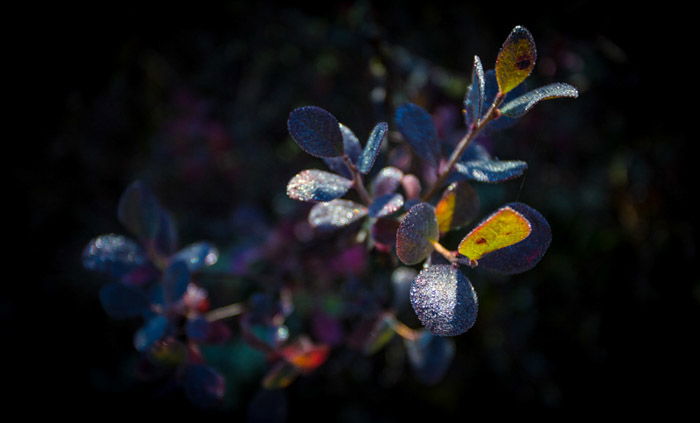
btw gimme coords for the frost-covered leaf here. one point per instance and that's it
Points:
(374, 143)
(444, 300)
(416, 234)
(316, 131)
(474, 99)
(417, 127)
(516, 59)
(335, 214)
(430, 356)
(317, 185)
(457, 207)
(351, 148)
(385, 205)
(521, 105)
(501, 229)
(492, 171)
(114, 255)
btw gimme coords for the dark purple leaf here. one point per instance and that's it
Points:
(317, 185)
(139, 211)
(491, 171)
(203, 385)
(387, 181)
(335, 214)
(114, 255)
(385, 205)
(176, 277)
(121, 301)
(316, 131)
(384, 234)
(416, 234)
(374, 143)
(153, 331)
(197, 256)
(430, 356)
(417, 127)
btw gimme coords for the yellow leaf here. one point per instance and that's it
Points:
(516, 59)
(502, 229)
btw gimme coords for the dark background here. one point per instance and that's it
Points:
(607, 318)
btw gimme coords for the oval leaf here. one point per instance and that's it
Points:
(524, 255)
(503, 228)
(382, 332)
(176, 277)
(317, 185)
(197, 256)
(139, 211)
(444, 300)
(416, 234)
(374, 143)
(121, 301)
(516, 59)
(401, 280)
(474, 100)
(521, 105)
(316, 131)
(351, 148)
(153, 331)
(430, 356)
(114, 255)
(335, 214)
(386, 205)
(387, 181)
(491, 171)
(417, 127)
(457, 207)
(384, 234)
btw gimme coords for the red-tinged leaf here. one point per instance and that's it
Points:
(457, 207)
(316, 131)
(416, 234)
(501, 229)
(516, 59)
(305, 355)
(317, 185)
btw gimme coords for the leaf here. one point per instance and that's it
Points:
(384, 234)
(491, 90)
(401, 280)
(281, 375)
(491, 171)
(444, 300)
(114, 255)
(474, 99)
(501, 229)
(305, 355)
(197, 329)
(457, 207)
(335, 214)
(411, 186)
(197, 256)
(316, 131)
(387, 181)
(351, 148)
(521, 105)
(416, 234)
(516, 59)
(166, 235)
(153, 331)
(317, 185)
(523, 256)
(382, 332)
(417, 127)
(430, 356)
(121, 301)
(176, 277)
(204, 386)
(374, 143)
(139, 211)
(385, 205)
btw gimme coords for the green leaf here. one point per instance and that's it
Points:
(516, 59)
(457, 207)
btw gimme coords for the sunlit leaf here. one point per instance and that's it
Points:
(387, 181)
(430, 356)
(317, 185)
(176, 277)
(523, 256)
(521, 105)
(153, 331)
(417, 127)
(281, 375)
(139, 211)
(457, 207)
(501, 229)
(416, 234)
(384, 234)
(114, 255)
(335, 214)
(385, 205)
(516, 59)
(316, 131)
(197, 256)
(351, 148)
(121, 301)
(444, 300)
(382, 332)
(374, 143)
(474, 100)
(203, 385)
(492, 171)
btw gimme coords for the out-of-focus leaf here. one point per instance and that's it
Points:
(153, 331)
(114, 255)
(385, 205)
(457, 207)
(475, 151)
(197, 256)
(316, 131)
(203, 385)
(326, 328)
(524, 255)
(281, 375)
(401, 280)
(305, 355)
(139, 211)
(501, 229)
(317, 185)
(268, 406)
(272, 335)
(121, 301)
(416, 234)
(168, 352)
(197, 329)
(166, 236)
(491, 171)
(417, 127)
(176, 277)
(335, 214)
(444, 300)
(516, 59)
(474, 100)
(411, 186)
(382, 332)
(521, 105)
(374, 143)
(430, 356)
(351, 148)
(387, 181)
(384, 234)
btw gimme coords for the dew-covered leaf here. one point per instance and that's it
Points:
(430, 356)
(501, 229)
(417, 127)
(305, 355)
(524, 255)
(139, 211)
(316, 131)
(203, 385)
(387, 181)
(516, 59)
(197, 256)
(474, 100)
(335, 214)
(153, 331)
(317, 185)
(351, 148)
(176, 277)
(491, 89)
(281, 375)
(121, 301)
(457, 207)
(385, 205)
(114, 255)
(444, 300)
(384, 234)
(521, 105)
(382, 332)
(374, 143)
(491, 171)
(416, 234)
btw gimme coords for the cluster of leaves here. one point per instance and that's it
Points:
(404, 212)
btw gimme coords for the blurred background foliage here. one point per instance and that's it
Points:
(194, 100)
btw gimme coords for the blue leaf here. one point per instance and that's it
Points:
(197, 256)
(139, 211)
(417, 127)
(474, 100)
(114, 255)
(121, 301)
(176, 277)
(374, 143)
(430, 356)
(521, 105)
(385, 205)
(351, 148)
(153, 331)
(492, 171)
(204, 386)
(316, 131)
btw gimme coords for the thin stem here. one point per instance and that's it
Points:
(491, 114)
(358, 183)
(404, 331)
(224, 312)
(450, 256)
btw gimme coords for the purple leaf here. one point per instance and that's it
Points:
(387, 181)
(316, 131)
(417, 127)
(416, 234)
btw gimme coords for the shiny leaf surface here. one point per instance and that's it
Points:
(416, 234)
(317, 185)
